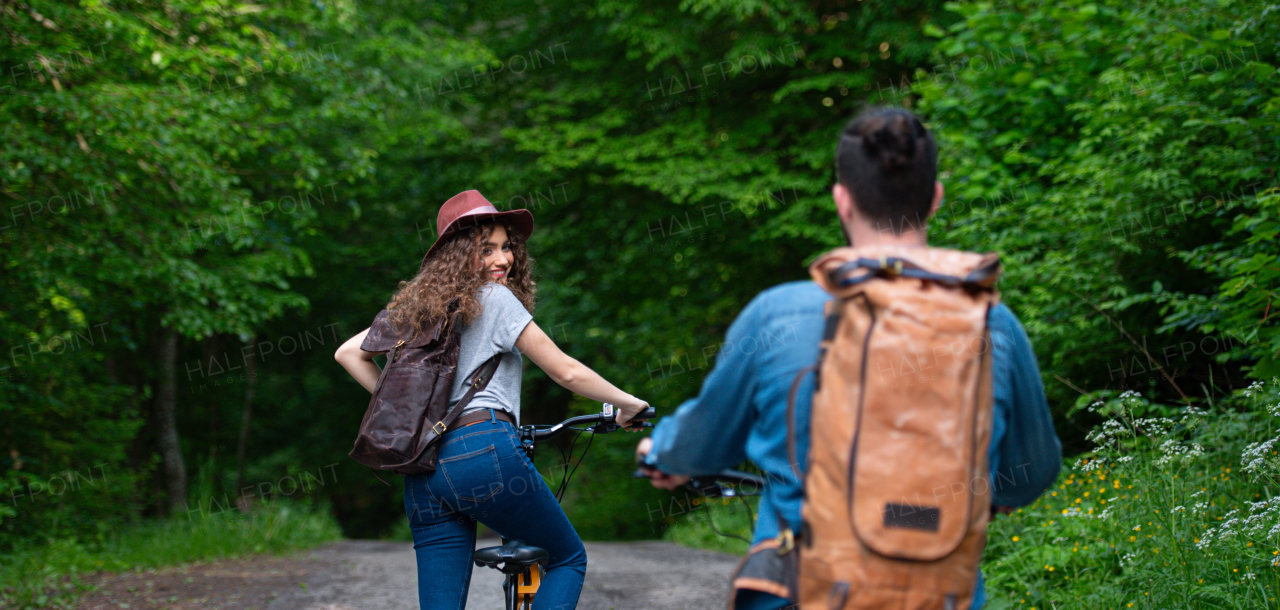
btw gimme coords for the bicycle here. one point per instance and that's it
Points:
(724, 484)
(517, 560)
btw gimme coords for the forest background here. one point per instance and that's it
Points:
(203, 198)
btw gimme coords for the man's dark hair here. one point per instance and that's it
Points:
(889, 161)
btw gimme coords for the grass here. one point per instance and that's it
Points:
(1176, 507)
(693, 521)
(50, 575)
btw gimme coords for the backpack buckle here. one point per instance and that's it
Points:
(439, 428)
(786, 541)
(891, 267)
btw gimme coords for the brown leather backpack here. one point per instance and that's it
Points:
(409, 409)
(897, 490)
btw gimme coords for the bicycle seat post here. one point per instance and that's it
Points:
(522, 565)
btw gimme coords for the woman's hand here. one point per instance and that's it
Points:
(629, 410)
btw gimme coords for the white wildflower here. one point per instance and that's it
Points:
(1175, 451)
(1108, 432)
(1154, 426)
(1194, 412)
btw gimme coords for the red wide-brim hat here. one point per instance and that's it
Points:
(469, 208)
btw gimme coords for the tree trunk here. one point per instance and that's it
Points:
(175, 470)
(211, 406)
(251, 371)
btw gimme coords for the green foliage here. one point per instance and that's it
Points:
(1175, 510)
(50, 575)
(1250, 270)
(1105, 150)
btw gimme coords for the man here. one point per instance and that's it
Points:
(887, 190)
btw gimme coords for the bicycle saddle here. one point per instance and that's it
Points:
(513, 554)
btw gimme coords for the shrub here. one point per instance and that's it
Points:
(1173, 508)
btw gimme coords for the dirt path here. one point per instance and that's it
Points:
(374, 575)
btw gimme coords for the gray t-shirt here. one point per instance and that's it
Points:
(494, 331)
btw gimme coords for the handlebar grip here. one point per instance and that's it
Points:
(648, 413)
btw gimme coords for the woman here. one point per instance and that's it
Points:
(482, 474)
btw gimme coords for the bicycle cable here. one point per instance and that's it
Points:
(564, 485)
(751, 515)
(564, 461)
(706, 506)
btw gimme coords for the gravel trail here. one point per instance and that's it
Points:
(375, 575)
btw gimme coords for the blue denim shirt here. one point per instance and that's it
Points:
(740, 412)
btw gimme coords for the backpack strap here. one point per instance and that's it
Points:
(828, 335)
(479, 380)
(982, 278)
(391, 357)
(792, 453)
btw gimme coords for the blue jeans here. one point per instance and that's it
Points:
(482, 475)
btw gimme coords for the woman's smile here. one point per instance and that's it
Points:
(496, 256)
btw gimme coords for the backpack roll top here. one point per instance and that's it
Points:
(382, 337)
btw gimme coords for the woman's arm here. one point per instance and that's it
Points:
(574, 375)
(359, 362)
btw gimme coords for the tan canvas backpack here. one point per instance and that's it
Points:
(897, 490)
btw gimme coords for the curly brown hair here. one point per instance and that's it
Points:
(451, 274)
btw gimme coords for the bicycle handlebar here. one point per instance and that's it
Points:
(721, 484)
(600, 423)
(732, 477)
(727, 484)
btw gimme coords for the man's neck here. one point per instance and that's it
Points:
(862, 235)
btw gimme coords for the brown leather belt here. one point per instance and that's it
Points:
(476, 417)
